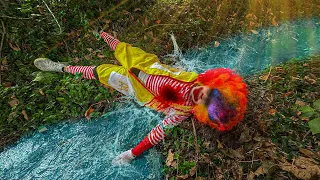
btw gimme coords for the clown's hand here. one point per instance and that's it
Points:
(123, 158)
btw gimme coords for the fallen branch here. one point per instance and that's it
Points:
(53, 16)
(1, 44)
(2, 39)
(195, 138)
(20, 18)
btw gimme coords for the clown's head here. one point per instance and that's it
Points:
(220, 98)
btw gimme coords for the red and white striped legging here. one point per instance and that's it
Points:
(88, 71)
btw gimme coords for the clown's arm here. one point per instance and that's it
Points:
(156, 135)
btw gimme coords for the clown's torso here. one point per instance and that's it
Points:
(153, 88)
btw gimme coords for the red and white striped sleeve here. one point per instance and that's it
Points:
(157, 134)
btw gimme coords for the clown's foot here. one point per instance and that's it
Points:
(46, 64)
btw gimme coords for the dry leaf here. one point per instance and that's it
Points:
(101, 56)
(276, 78)
(220, 146)
(287, 94)
(174, 164)
(88, 113)
(136, 9)
(200, 178)
(76, 60)
(300, 103)
(308, 153)
(310, 80)
(193, 171)
(182, 177)
(24, 113)
(254, 31)
(14, 101)
(41, 92)
(4, 61)
(267, 168)
(216, 44)
(233, 154)
(146, 22)
(245, 136)
(264, 77)
(303, 168)
(14, 46)
(169, 158)
(274, 22)
(272, 112)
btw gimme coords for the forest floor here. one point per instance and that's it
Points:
(273, 142)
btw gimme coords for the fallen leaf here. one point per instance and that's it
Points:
(193, 171)
(216, 43)
(101, 56)
(274, 22)
(272, 112)
(41, 92)
(76, 60)
(302, 168)
(13, 102)
(200, 178)
(233, 154)
(182, 177)
(136, 9)
(88, 113)
(308, 153)
(146, 21)
(264, 77)
(4, 61)
(276, 78)
(310, 80)
(267, 167)
(245, 136)
(42, 129)
(287, 94)
(24, 113)
(169, 157)
(220, 146)
(254, 31)
(14, 46)
(300, 103)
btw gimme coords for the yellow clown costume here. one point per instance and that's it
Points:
(123, 80)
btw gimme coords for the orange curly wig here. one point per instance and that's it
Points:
(227, 102)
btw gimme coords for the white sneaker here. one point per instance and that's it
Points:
(46, 64)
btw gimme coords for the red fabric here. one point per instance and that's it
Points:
(142, 146)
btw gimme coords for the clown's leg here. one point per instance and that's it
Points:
(110, 40)
(45, 64)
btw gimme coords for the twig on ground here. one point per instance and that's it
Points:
(268, 74)
(195, 138)
(165, 25)
(304, 137)
(19, 18)
(2, 39)
(53, 16)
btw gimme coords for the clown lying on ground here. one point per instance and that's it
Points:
(216, 97)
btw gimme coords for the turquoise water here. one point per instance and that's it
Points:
(84, 150)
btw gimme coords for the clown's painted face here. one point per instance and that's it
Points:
(199, 94)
